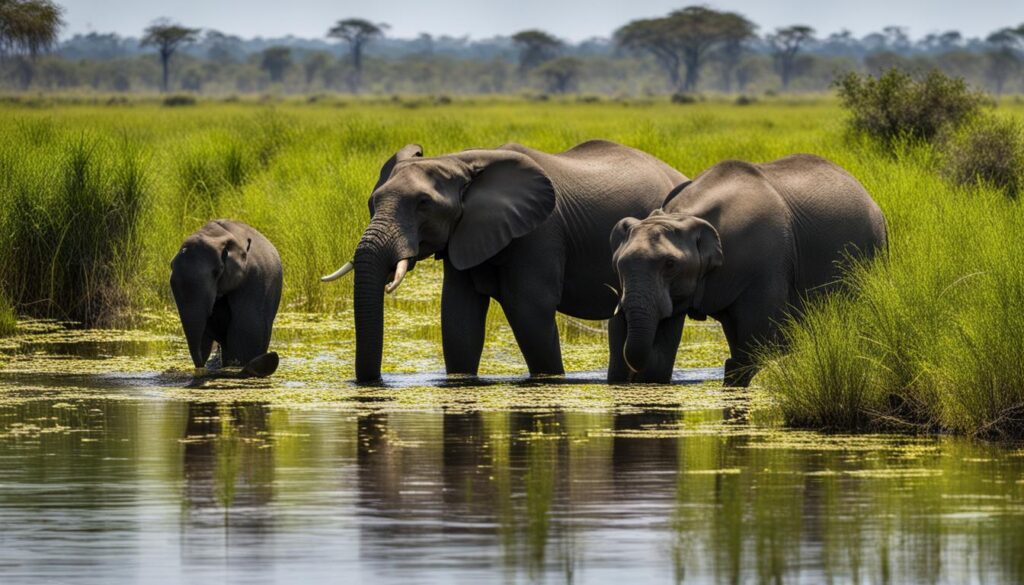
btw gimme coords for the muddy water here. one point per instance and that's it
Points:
(114, 469)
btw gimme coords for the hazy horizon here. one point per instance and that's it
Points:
(574, 20)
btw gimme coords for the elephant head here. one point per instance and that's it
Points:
(205, 269)
(465, 207)
(661, 262)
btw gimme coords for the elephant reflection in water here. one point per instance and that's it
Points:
(499, 482)
(226, 469)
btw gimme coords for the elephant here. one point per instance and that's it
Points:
(226, 280)
(746, 244)
(524, 227)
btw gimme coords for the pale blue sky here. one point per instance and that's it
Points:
(569, 19)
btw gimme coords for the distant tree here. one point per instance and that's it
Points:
(276, 61)
(561, 74)
(941, 42)
(167, 37)
(735, 33)
(880, 62)
(897, 39)
(1003, 57)
(314, 65)
(786, 43)
(653, 36)
(357, 32)
(535, 47)
(28, 28)
(684, 37)
(223, 49)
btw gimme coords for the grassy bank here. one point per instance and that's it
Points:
(96, 199)
(934, 339)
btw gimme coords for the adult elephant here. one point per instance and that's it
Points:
(226, 279)
(745, 244)
(526, 228)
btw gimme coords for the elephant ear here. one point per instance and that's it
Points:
(508, 197)
(408, 151)
(707, 244)
(621, 231)
(234, 257)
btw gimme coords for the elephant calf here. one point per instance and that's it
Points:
(226, 281)
(746, 244)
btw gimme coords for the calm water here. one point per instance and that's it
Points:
(108, 476)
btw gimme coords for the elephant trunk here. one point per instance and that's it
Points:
(376, 256)
(641, 327)
(645, 303)
(193, 322)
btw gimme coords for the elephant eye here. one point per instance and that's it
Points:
(423, 200)
(670, 264)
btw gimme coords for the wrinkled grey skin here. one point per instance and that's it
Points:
(526, 228)
(744, 244)
(226, 281)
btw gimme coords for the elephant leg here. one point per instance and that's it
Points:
(752, 324)
(663, 357)
(463, 322)
(537, 335)
(248, 334)
(618, 371)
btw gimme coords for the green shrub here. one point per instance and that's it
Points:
(173, 101)
(896, 106)
(683, 98)
(746, 100)
(988, 151)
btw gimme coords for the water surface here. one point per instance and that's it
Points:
(112, 470)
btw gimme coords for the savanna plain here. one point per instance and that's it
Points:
(881, 448)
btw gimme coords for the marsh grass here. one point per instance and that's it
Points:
(933, 337)
(94, 202)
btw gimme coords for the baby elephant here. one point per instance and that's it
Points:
(226, 280)
(746, 244)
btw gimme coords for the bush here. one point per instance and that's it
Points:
(989, 151)
(172, 101)
(684, 98)
(746, 100)
(895, 106)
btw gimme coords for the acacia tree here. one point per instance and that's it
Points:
(786, 43)
(315, 63)
(735, 32)
(683, 38)
(561, 74)
(27, 28)
(276, 61)
(357, 32)
(1003, 57)
(535, 48)
(167, 37)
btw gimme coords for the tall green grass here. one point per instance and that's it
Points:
(94, 202)
(933, 337)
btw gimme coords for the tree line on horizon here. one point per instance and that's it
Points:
(689, 50)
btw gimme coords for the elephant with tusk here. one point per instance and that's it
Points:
(524, 227)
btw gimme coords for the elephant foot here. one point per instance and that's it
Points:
(261, 366)
(737, 375)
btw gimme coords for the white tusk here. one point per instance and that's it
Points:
(403, 265)
(617, 307)
(348, 267)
